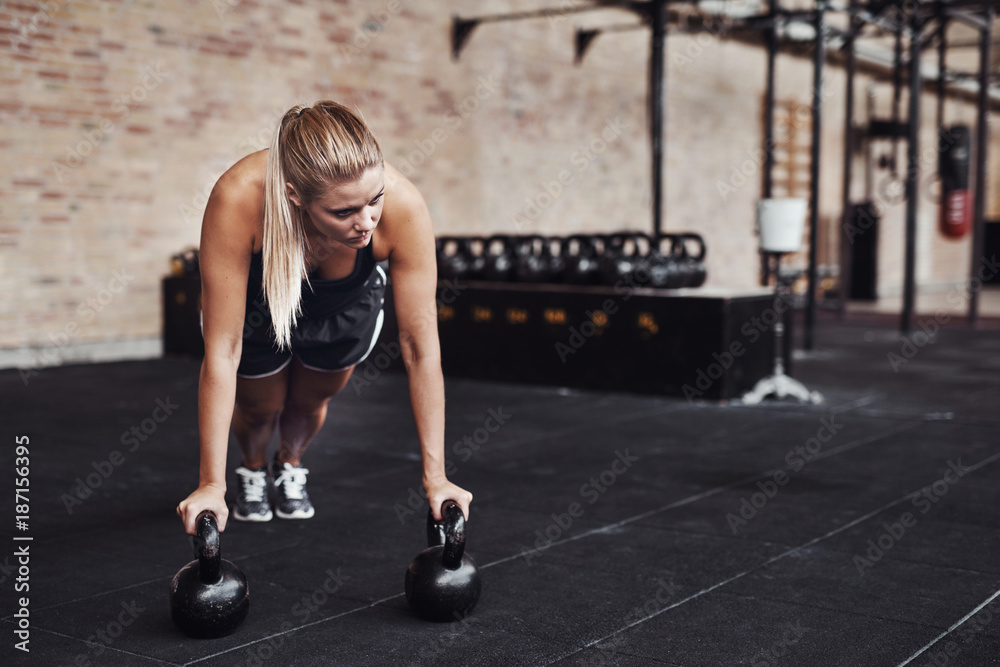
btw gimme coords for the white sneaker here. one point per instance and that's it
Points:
(290, 489)
(251, 498)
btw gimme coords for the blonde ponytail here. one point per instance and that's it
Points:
(313, 148)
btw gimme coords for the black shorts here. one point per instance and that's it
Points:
(331, 335)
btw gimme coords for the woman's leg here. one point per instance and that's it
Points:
(304, 410)
(259, 403)
(303, 415)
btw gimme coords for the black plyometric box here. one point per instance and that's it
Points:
(181, 315)
(699, 344)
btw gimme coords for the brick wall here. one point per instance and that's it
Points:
(118, 117)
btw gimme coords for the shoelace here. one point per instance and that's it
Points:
(293, 480)
(254, 483)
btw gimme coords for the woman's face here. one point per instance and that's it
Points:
(349, 211)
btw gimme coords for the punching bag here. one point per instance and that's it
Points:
(956, 204)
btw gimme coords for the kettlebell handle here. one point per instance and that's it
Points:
(449, 532)
(697, 238)
(207, 548)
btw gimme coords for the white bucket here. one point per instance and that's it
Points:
(781, 223)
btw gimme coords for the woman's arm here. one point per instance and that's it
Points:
(413, 267)
(224, 259)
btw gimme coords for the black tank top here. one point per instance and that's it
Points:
(328, 299)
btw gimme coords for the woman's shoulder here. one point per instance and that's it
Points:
(246, 177)
(240, 194)
(400, 187)
(406, 222)
(403, 201)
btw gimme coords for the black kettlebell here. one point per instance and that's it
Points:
(664, 270)
(451, 258)
(530, 263)
(580, 256)
(209, 597)
(617, 263)
(692, 266)
(474, 249)
(442, 583)
(554, 256)
(608, 269)
(638, 246)
(499, 263)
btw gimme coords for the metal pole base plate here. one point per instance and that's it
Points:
(781, 385)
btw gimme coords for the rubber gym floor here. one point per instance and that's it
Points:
(610, 529)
